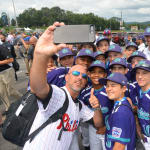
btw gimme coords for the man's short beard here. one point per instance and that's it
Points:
(75, 90)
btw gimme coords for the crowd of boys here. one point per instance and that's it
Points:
(110, 82)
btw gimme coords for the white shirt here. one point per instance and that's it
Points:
(147, 53)
(141, 47)
(47, 139)
(111, 42)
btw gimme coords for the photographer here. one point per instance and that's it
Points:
(51, 98)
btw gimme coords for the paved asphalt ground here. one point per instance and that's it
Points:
(21, 85)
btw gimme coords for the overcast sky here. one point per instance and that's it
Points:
(132, 10)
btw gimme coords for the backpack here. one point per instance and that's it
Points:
(16, 65)
(20, 117)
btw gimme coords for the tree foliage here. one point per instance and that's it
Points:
(13, 22)
(47, 16)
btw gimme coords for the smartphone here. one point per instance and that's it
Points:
(74, 34)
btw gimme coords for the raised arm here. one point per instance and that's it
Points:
(43, 50)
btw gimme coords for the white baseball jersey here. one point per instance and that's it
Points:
(47, 139)
(147, 53)
(141, 47)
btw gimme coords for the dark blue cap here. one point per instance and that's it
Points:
(85, 52)
(101, 38)
(136, 54)
(131, 44)
(98, 53)
(141, 37)
(119, 61)
(115, 77)
(143, 64)
(147, 31)
(114, 48)
(97, 63)
(65, 52)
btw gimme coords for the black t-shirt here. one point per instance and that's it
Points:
(4, 54)
(10, 48)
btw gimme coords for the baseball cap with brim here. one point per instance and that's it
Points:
(65, 52)
(114, 48)
(102, 38)
(141, 37)
(115, 77)
(85, 52)
(136, 54)
(97, 63)
(147, 31)
(143, 64)
(131, 44)
(118, 61)
(98, 53)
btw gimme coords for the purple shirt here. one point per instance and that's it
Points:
(144, 111)
(106, 104)
(120, 126)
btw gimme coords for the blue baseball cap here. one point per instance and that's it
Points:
(85, 52)
(143, 64)
(118, 61)
(136, 54)
(98, 53)
(115, 77)
(141, 37)
(147, 31)
(65, 52)
(131, 44)
(102, 38)
(114, 48)
(97, 63)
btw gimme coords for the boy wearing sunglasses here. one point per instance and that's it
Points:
(51, 98)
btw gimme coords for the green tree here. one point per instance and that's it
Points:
(13, 22)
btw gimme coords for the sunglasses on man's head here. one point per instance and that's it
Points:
(77, 73)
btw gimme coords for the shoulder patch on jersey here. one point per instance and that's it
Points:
(116, 132)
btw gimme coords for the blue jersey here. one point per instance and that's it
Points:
(106, 104)
(144, 111)
(133, 91)
(120, 126)
(57, 76)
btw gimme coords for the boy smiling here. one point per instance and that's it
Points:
(120, 125)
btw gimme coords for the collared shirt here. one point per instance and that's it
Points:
(47, 139)
(120, 126)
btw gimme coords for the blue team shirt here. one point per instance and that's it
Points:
(106, 104)
(144, 111)
(120, 126)
(57, 76)
(134, 91)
